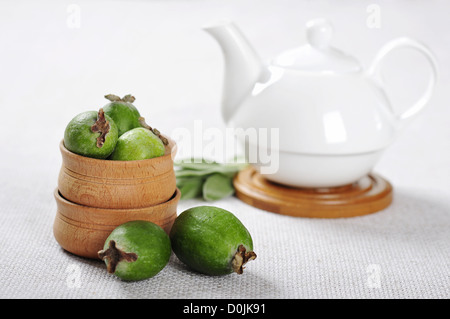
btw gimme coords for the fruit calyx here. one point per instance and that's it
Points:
(153, 130)
(241, 257)
(101, 126)
(114, 255)
(114, 98)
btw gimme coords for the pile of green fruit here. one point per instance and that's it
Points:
(208, 239)
(117, 132)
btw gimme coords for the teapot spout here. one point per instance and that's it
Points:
(243, 66)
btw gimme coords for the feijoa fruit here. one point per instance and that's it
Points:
(138, 144)
(91, 134)
(136, 250)
(211, 240)
(123, 112)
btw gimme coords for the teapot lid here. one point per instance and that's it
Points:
(317, 55)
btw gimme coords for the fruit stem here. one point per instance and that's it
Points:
(153, 130)
(128, 98)
(101, 126)
(114, 98)
(240, 258)
(114, 255)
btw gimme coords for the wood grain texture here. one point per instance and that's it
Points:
(117, 184)
(82, 230)
(369, 195)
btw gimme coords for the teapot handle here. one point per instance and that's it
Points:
(374, 72)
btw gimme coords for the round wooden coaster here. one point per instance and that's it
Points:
(370, 194)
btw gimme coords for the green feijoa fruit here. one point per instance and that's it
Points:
(136, 250)
(123, 112)
(138, 144)
(211, 240)
(91, 134)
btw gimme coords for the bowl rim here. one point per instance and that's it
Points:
(170, 151)
(173, 200)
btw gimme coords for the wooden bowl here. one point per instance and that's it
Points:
(82, 230)
(117, 184)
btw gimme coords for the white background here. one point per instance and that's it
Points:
(51, 70)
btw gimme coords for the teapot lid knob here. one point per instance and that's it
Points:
(318, 55)
(319, 33)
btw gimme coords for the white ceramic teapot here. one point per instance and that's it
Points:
(334, 118)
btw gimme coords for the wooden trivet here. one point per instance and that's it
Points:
(370, 194)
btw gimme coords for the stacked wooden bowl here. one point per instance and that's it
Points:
(95, 196)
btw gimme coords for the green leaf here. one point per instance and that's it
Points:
(197, 164)
(191, 188)
(180, 173)
(196, 169)
(217, 186)
(203, 164)
(181, 181)
(197, 176)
